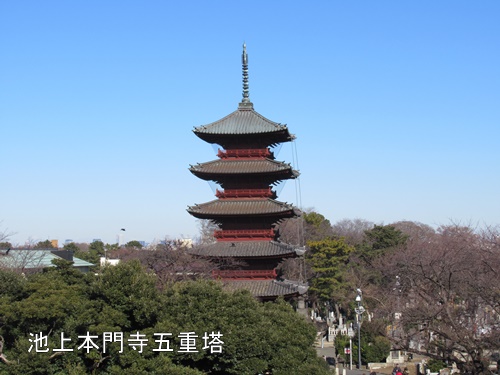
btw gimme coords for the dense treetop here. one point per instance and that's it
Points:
(125, 298)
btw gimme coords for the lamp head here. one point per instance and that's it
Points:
(358, 298)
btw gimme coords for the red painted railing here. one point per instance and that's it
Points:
(245, 153)
(244, 234)
(245, 193)
(245, 274)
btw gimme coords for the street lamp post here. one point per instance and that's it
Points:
(350, 333)
(359, 311)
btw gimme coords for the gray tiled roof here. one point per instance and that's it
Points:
(243, 121)
(266, 288)
(242, 207)
(31, 258)
(247, 249)
(77, 262)
(232, 167)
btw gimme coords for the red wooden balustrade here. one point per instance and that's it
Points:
(245, 193)
(245, 153)
(244, 234)
(245, 274)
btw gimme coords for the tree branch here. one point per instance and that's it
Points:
(2, 356)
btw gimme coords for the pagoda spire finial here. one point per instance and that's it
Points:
(244, 62)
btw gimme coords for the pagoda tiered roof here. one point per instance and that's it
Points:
(247, 249)
(267, 289)
(242, 208)
(233, 168)
(245, 121)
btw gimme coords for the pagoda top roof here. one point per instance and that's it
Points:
(239, 166)
(244, 121)
(267, 288)
(242, 207)
(247, 249)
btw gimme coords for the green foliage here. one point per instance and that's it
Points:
(71, 247)
(383, 237)
(341, 343)
(435, 365)
(316, 226)
(97, 247)
(376, 350)
(315, 219)
(111, 247)
(5, 245)
(256, 336)
(49, 300)
(374, 346)
(44, 245)
(129, 289)
(133, 245)
(12, 284)
(124, 299)
(379, 241)
(328, 259)
(95, 251)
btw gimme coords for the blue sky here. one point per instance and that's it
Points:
(395, 105)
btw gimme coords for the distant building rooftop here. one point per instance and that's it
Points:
(33, 259)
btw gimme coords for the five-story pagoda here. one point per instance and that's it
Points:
(246, 210)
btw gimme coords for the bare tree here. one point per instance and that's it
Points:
(207, 228)
(295, 269)
(414, 230)
(353, 230)
(2, 356)
(310, 226)
(169, 260)
(5, 234)
(445, 295)
(22, 261)
(291, 231)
